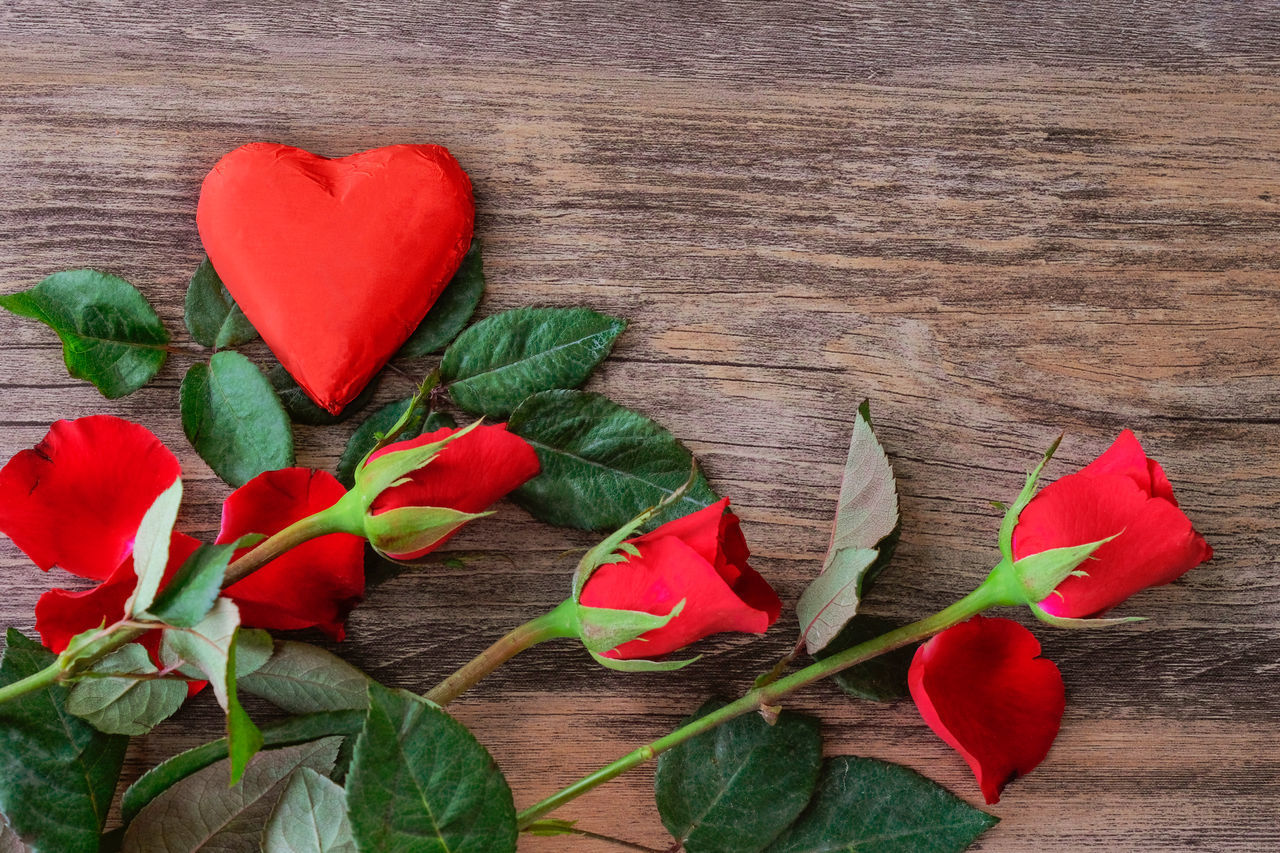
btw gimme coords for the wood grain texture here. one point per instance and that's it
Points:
(996, 221)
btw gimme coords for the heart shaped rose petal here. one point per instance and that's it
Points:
(335, 262)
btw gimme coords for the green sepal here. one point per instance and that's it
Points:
(409, 529)
(1035, 577)
(1024, 497)
(1082, 624)
(641, 665)
(373, 476)
(602, 629)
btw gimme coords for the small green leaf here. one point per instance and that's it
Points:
(200, 813)
(501, 360)
(151, 547)
(368, 433)
(303, 410)
(287, 732)
(311, 817)
(420, 783)
(111, 336)
(865, 529)
(867, 806)
(301, 678)
(549, 827)
(212, 315)
(210, 647)
(125, 706)
(234, 420)
(57, 772)
(187, 598)
(734, 788)
(601, 464)
(452, 309)
(881, 679)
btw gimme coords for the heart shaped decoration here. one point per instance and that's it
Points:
(335, 262)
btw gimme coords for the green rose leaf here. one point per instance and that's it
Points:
(501, 360)
(234, 420)
(862, 538)
(303, 410)
(210, 648)
(452, 309)
(601, 464)
(57, 772)
(288, 732)
(371, 431)
(734, 788)
(126, 706)
(301, 678)
(311, 817)
(189, 597)
(420, 782)
(881, 679)
(151, 547)
(201, 813)
(212, 315)
(867, 806)
(111, 336)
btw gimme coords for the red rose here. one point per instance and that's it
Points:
(983, 688)
(700, 559)
(469, 474)
(1124, 494)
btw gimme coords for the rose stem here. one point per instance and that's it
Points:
(558, 622)
(982, 598)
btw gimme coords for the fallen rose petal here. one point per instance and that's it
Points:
(315, 584)
(984, 689)
(76, 499)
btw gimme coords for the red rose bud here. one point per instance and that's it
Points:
(417, 493)
(1121, 497)
(695, 568)
(984, 689)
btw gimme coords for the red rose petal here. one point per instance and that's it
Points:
(699, 530)
(1155, 545)
(1125, 456)
(666, 572)
(76, 499)
(469, 474)
(982, 687)
(315, 584)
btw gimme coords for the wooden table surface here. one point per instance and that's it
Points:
(997, 221)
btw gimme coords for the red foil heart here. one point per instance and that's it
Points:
(335, 262)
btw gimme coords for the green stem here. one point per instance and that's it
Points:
(982, 598)
(549, 626)
(336, 518)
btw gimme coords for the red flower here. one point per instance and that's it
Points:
(983, 688)
(469, 474)
(314, 584)
(77, 498)
(1121, 492)
(76, 501)
(700, 559)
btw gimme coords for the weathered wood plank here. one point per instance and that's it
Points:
(997, 224)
